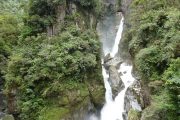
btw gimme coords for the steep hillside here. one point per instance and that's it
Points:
(50, 65)
(153, 29)
(50, 54)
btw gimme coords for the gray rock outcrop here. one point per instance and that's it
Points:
(132, 100)
(115, 81)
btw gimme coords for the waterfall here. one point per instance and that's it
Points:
(118, 38)
(114, 109)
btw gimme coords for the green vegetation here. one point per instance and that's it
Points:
(10, 28)
(133, 115)
(171, 75)
(42, 67)
(44, 13)
(155, 46)
(42, 58)
(53, 113)
(163, 107)
(50, 74)
(45, 76)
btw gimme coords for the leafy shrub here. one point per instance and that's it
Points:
(172, 74)
(163, 107)
(154, 43)
(42, 67)
(147, 61)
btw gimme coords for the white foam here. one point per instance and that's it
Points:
(113, 109)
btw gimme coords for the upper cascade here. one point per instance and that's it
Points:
(118, 38)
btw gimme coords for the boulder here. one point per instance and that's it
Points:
(107, 58)
(132, 99)
(113, 62)
(109, 61)
(115, 81)
(4, 116)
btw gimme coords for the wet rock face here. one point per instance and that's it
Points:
(115, 81)
(132, 100)
(132, 97)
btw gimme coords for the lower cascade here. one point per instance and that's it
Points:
(116, 82)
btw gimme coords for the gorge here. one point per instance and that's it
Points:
(89, 60)
(114, 106)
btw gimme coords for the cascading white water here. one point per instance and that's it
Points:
(118, 38)
(113, 109)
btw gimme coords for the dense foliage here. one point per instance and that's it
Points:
(43, 13)
(155, 45)
(10, 28)
(39, 71)
(41, 68)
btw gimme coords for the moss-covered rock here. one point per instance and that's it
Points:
(155, 86)
(53, 113)
(134, 115)
(7, 117)
(152, 113)
(162, 107)
(78, 101)
(97, 95)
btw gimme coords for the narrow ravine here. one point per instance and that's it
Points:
(114, 107)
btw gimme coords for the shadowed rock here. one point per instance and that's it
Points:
(115, 81)
(2, 102)
(109, 61)
(132, 100)
(107, 58)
